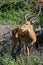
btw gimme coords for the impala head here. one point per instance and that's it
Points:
(25, 27)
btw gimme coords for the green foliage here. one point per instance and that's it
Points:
(10, 17)
(12, 11)
(8, 60)
(15, 4)
(34, 61)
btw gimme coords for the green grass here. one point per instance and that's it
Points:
(8, 60)
(11, 17)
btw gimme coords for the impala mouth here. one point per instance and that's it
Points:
(22, 30)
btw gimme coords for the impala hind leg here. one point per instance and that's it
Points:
(30, 50)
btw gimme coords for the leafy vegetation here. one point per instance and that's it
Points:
(13, 11)
(8, 60)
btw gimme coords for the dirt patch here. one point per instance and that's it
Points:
(5, 28)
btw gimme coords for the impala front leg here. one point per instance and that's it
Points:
(28, 53)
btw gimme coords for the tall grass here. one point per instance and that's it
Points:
(11, 17)
(8, 60)
(14, 17)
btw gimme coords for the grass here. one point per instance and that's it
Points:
(11, 17)
(8, 60)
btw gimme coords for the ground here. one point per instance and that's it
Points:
(7, 38)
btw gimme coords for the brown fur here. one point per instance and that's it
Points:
(26, 36)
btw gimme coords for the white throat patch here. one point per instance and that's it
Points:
(29, 30)
(26, 29)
